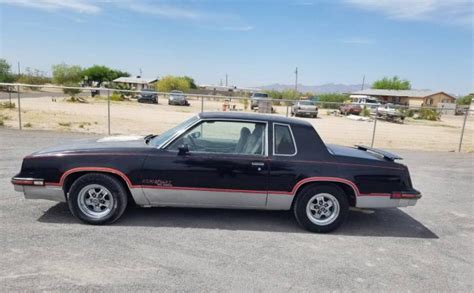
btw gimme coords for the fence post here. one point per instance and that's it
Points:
(463, 128)
(287, 110)
(373, 132)
(108, 111)
(10, 95)
(202, 104)
(19, 108)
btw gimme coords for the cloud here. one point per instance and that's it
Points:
(357, 41)
(173, 10)
(456, 12)
(79, 6)
(166, 11)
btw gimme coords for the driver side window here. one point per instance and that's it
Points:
(224, 137)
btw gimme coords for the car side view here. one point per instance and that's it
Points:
(219, 160)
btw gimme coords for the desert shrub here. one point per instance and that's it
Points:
(33, 76)
(117, 97)
(7, 105)
(365, 112)
(245, 101)
(64, 124)
(428, 114)
(408, 112)
(28, 125)
(332, 101)
(2, 123)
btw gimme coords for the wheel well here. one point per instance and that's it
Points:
(69, 180)
(347, 189)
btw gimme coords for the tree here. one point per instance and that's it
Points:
(33, 76)
(67, 75)
(192, 84)
(393, 83)
(169, 83)
(100, 74)
(466, 100)
(5, 73)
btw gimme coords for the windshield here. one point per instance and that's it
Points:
(159, 140)
(260, 95)
(307, 103)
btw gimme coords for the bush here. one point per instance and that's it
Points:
(332, 101)
(428, 114)
(28, 125)
(33, 76)
(408, 112)
(365, 112)
(116, 97)
(7, 105)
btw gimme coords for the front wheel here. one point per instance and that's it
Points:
(321, 208)
(97, 199)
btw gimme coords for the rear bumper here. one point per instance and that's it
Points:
(388, 200)
(32, 189)
(306, 112)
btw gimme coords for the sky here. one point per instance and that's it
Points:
(429, 42)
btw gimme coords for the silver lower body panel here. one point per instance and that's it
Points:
(54, 193)
(375, 202)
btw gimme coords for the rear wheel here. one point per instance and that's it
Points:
(97, 198)
(321, 208)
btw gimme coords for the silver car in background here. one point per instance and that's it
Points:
(177, 98)
(305, 108)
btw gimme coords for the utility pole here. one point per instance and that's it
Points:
(19, 71)
(363, 82)
(296, 79)
(226, 79)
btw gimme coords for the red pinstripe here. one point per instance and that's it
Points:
(292, 192)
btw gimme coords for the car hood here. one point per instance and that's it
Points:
(102, 144)
(345, 151)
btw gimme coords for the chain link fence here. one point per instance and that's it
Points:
(114, 111)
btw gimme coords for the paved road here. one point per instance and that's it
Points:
(428, 247)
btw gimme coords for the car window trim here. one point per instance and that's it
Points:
(292, 137)
(200, 120)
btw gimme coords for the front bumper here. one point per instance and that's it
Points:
(34, 188)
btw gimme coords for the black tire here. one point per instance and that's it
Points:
(118, 193)
(306, 194)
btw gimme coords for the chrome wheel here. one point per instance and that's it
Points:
(95, 200)
(322, 209)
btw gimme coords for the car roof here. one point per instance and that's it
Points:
(253, 116)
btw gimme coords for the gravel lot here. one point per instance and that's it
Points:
(428, 247)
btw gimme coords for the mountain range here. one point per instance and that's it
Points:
(317, 89)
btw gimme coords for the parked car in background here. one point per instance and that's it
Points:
(255, 97)
(177, 98)
(304, 108)
(148, 96)
(364, 101)
(390, 113)
(350, 109)
(220, 160)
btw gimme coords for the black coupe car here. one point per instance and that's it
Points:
(219, 160)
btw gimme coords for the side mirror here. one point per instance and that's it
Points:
(183, 150)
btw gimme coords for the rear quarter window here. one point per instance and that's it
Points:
(283, 141)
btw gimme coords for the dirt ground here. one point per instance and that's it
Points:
(130, 117)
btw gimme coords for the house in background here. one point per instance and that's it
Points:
(411, 98)
(137, 83)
